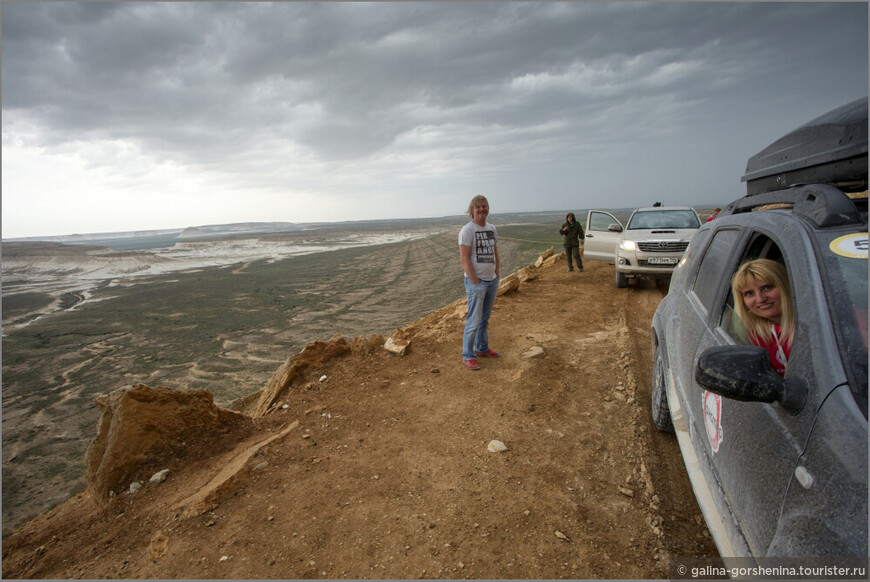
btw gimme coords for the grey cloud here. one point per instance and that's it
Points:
(198, 82)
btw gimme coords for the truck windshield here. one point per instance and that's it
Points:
(663, 219)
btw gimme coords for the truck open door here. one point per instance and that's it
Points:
(602, 232)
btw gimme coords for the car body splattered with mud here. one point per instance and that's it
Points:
(778, 464)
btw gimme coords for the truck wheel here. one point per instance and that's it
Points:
(661, 414)
(621, 280)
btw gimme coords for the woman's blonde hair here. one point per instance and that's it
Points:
(775, 274)
(474, 202)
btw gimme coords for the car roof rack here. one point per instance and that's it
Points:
(829, 149)
(824, 205)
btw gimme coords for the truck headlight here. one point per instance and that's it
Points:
(628, 245)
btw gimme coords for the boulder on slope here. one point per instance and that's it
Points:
(140, 423)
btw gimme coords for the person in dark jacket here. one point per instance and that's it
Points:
(572, 233)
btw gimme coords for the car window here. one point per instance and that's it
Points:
(845, 260)
(664, 219)
(600, 221)
(709, 279)
(760, 247)
(733, 325)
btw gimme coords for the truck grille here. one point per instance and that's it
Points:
(663, 246)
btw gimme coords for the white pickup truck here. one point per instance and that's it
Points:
(650, 244)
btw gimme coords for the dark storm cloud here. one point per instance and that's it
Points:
(190, 79)
(496, 86)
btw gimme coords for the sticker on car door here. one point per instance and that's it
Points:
(712, 405)
(853, 246)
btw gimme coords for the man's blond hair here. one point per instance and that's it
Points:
(475, 202)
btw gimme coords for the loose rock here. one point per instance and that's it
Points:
(396, 346)
(495, 446)
(534, 352)
(159, 476)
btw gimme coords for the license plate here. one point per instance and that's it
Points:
(663, 260)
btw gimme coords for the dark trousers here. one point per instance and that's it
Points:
(573, 252)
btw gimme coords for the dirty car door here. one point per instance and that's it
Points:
(753, 447)
(691, 330)
(600, 242)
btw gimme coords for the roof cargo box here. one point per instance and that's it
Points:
(831, 149)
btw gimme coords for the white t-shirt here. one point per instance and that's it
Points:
(482, 240)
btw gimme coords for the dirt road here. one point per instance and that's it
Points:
(388, 474)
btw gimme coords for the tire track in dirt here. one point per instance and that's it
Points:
(661, 451)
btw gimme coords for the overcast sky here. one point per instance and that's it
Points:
(131, 116)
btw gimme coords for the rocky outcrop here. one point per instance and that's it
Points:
(553, 259)
(544, 256)
(509, 284)
(313, 353)
(529, 273)
(139, 423)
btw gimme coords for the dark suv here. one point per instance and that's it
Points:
(778, 464)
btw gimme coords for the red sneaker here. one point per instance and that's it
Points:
(487, 354)
(471, 364)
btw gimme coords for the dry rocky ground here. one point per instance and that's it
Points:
(387, 473)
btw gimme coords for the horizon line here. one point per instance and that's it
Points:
(170, 230)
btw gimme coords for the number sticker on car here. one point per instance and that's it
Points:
(853, 246)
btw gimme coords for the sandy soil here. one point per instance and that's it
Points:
(388, 473)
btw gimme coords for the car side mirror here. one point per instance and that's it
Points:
(614, 228)
(744, 373)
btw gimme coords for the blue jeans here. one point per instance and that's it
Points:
(480, 300)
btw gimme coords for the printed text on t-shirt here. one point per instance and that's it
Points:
(484, 246)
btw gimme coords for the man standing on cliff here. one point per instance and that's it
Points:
(478, 252)
(573, 236)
